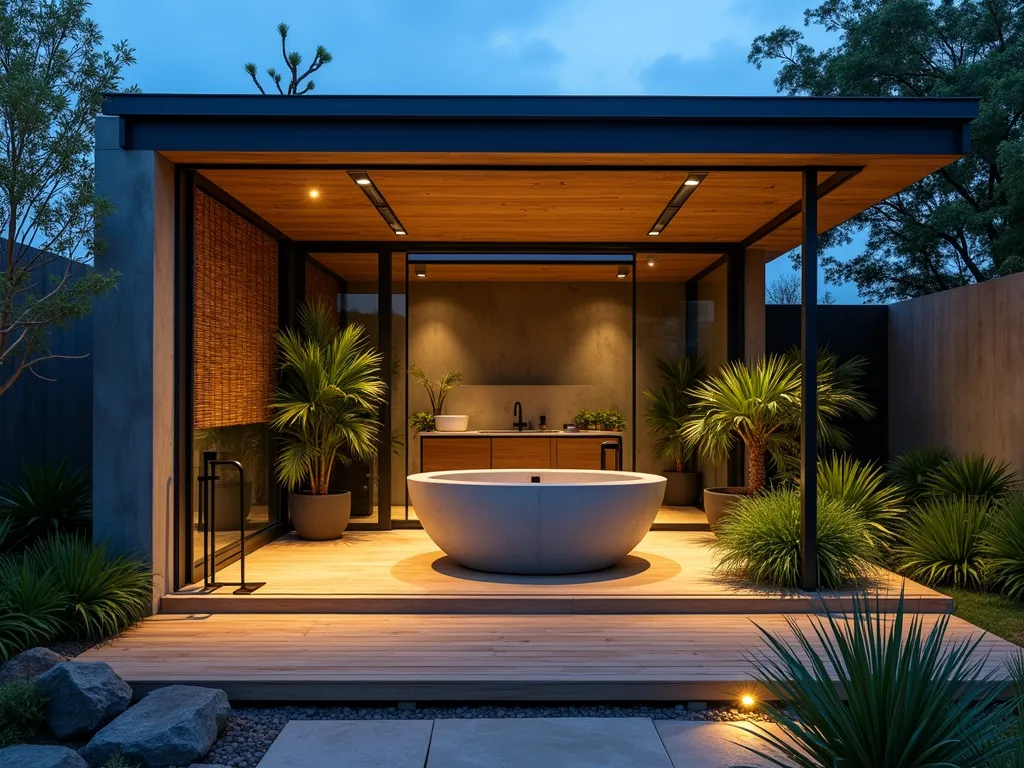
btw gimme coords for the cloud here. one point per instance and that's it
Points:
(725, 72)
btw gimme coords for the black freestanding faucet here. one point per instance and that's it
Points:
(517, 410)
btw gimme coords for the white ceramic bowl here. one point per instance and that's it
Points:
(571, 521)
(451, 423)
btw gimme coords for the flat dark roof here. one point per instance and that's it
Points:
(542, 124)
(155, 105)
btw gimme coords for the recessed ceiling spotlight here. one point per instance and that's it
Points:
(653, 233)
(622, 273)
(421, 270)
(691, 181)
(687, 188)
(399, 231)
(376, 198)
(314, 193)
(652, 260)
(363, 182)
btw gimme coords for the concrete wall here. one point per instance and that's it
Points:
(555, 347)
(133, 357)
(956, 370)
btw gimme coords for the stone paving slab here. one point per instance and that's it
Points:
(350, 744)
(712, 745)
(557, 742)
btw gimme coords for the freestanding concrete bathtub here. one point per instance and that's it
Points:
(501, 520)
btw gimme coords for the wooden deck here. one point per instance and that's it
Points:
(385, 658)
(401, 571)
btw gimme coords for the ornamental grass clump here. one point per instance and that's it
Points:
(33, 606)
(942, 542)
(1002, 546)
(973, 475)
(760, 541)
(911, 469)
(863, 487)
(906, 697)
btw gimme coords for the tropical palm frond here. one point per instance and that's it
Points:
(862, 487)
(327, 401)
(670, 405)
(910, 469)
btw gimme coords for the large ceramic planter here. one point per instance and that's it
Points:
(320, 518)
(225, 499)
(450, 423)
(718, 502)
(682, 489)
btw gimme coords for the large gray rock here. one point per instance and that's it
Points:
(30, 664)
(83, 697)
(175, 725)
(36, 756)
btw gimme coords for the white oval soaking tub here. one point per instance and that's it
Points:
(572, 521)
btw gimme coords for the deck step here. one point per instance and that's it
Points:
(743, 604)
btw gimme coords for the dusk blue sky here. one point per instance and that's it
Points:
(669, 47)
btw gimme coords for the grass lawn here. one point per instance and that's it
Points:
(993, 613)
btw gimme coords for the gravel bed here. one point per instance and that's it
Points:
(251, 730)
(71, 647)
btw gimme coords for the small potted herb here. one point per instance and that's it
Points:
(438, 392)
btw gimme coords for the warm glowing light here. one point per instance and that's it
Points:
(691, 182)
(653, 233)
(314, 193)
(651, 261)
(363, 181)
(399, 231)
(747, 700)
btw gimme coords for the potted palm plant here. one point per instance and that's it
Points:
(670, 406)
(325, 412)
(759, 405)
(438, 392)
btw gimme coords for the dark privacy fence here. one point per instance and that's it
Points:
(46, 422)
(848, 330)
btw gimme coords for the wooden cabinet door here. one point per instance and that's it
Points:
(442, 453)
(581, 453)
(521, 452)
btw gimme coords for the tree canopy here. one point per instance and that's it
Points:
(54, 70)
(964, 223)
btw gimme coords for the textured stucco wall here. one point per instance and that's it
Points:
(555, 347)
(133, 357)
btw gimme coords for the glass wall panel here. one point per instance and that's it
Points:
(399, 384)
(712, 346)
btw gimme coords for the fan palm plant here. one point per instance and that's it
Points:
(670, 406)
(437, 391)
(326, 405)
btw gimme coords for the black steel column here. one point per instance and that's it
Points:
(385, 336)
(735, 344)
(692, 318)
(809, 385)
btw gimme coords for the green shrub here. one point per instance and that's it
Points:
(910, 470)
(610, 419)
(913, 698)
(1002, 545)
(48, 500)
(421, 421)
(973, 475)
(21, 712)
(941, 542)
(32, 607)
(760, 540)
(862, 487)
(105, 593)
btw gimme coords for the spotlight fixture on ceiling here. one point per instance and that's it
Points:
(421, 270)
(314, 193)
(651, 260)
(365, 183)
(622, 273)
(687, 188)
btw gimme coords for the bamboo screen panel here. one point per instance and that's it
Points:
(236, 287)
(320, 286)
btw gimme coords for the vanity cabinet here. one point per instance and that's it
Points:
(534, 451)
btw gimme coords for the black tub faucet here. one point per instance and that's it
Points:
(517, 411)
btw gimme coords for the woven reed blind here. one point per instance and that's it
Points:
(320, 287)
(235, 317)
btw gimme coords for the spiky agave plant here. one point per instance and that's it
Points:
(670, 406)
(1002, 546)
(326, 404)
(973, 475)
(912, 698)
(49, 499)
(911, 468)
(942, 542)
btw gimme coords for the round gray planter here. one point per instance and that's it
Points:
(682, 489)
(320, 518)
(719, 501)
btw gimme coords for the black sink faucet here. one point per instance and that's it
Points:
(517, 410)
